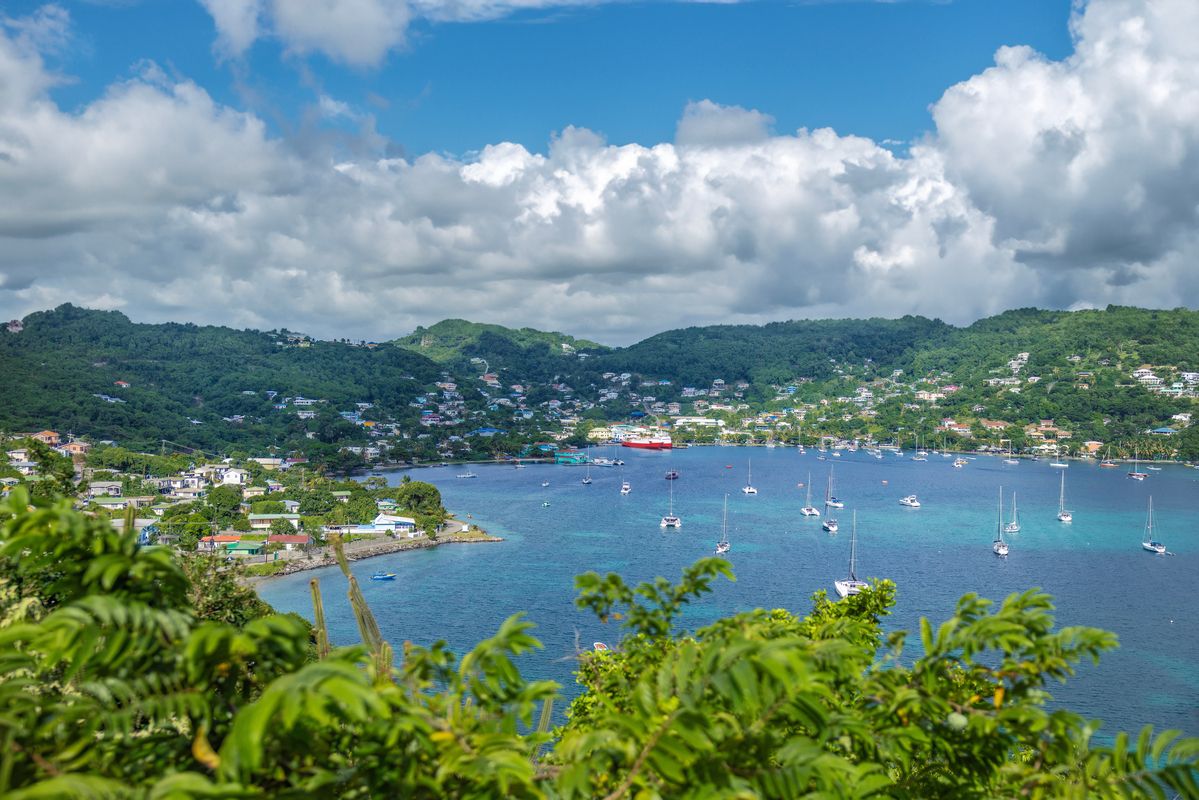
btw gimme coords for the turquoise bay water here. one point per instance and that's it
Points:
(1094, 568)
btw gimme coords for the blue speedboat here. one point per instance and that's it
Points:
(383, 576)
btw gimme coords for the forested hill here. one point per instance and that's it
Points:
(527, 354)
(55, 368)
(778, 352)
(67, 369)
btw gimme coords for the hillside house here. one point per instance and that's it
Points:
(47, 437)
(262, 522)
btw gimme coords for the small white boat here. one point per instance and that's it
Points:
(1014, 525)
(1059, 465)
(1136, 474)
(910, 501)
(463, 475)
(625, 487)
(1009, 459)
(1148, 542)
(830, 499)
(809, 510)
(545, 504)
(544, 484)
(1062, 514)
(960, 462)
(829, 525)
(749, 483)
(587, 477)
(999, 546)
(723, 545)
(670, 520)
(851, 585)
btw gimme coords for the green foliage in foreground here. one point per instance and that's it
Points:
(114, 684)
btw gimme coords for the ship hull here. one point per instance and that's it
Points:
(643, 445)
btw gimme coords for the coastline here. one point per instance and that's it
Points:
(371, 549)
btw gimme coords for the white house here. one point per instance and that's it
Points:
(104, 488)
(235, 477)
(262, 522)
(397, 525)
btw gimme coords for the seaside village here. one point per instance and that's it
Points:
(264, 510)
(260, 507)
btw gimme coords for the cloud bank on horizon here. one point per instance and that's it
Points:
(1067, 184)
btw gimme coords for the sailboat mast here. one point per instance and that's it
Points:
(853, 546)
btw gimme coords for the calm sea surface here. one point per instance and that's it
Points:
(1094, 568)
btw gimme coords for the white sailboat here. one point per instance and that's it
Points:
(830, 524)
(809, 510)
(1148, 542)
(748, 488)
(999, 546)
(1136, 474)
(670, 520)
(723, 545)
(1014, 525)
(851, 585)
(830, 499)
(1009, 459)
(1062, 514)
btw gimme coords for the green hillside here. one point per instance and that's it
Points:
(528, 354)
(777, 352)
(177, 373)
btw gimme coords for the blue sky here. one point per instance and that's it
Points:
(625, 70)
(606, 168)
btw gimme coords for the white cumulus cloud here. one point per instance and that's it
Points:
(1071, 184)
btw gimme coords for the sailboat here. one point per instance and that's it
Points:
(1062, 514)
(723, 545)
(670, 520)
(921, 455)
(748, 488)
(851, 585)
(1014, 525)
(1136, 474)
(587, 478)
(830, 524)
(1148, 543)
(1009, 459)
(830, 499)
(809, 510)
(1107, 462)
(999, 546)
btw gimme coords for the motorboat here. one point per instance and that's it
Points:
(910, 501)
(383, 575)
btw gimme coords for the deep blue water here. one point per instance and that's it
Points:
(1094, 568)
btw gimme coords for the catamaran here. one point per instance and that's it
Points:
(723, 545)
(1062, 514)
(1136, 474)
(1014, 525)
(1148, 542)
(809, 510)
(999, 546)
(830, 499)
(670, 520)
(748, 488)
(851, 585)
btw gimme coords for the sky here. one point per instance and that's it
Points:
(355, 168)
